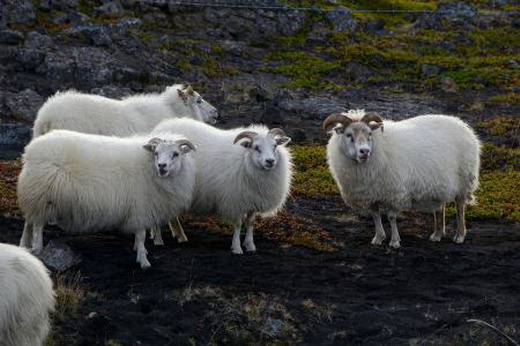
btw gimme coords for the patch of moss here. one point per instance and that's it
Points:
(9, 171)
(495, 158)
(500, 125)
(312, 177)
(512, 98)
(306, 69)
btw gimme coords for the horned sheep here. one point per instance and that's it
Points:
(26, 298)
(96, 114)
(420, 163)
(237, 182)
(84, 182)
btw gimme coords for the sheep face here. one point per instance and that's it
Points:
(356, 140)
(198, 106)
(262, 148)
(168, 155)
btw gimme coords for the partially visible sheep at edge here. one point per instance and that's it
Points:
(241, 173)
(100, 115)
(26, 298)
(84, 183)
(420, 163)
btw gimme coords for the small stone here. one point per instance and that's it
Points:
(448, 85)
(342, 19)
(59, 256)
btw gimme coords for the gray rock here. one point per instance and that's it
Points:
(97, 35)
(447, 84)
(63, 5)
(59, 256)
(35, 40)
(16, 12)
(430, 70)
(123, 26)
(512, 64)
(342, 20)
(10, 37)
(23, 105)
(31, 58)
(357, 72)
(314, 107)
(13, 138)
(449, 15)
(109, 9)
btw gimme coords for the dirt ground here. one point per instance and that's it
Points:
(198, 293)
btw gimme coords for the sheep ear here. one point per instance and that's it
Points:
(283, 140)
(152, 144)
(374, 126)
(190, 91)
(339, 129)
(183, 95)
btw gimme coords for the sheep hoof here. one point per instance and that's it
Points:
(396, 244)
(377, 240)
(144, 263)
(250, 247)
(158, 242)
(435, 237)
(458, 239)
(237, 251)
(182, 239)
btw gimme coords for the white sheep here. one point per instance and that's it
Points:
(26, 298)
(237, 182)
(84, 183)
(96, 114)
(420, 164)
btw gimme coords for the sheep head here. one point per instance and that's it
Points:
(356, 140)
(199, 108)
(262, 148)
(168, 154)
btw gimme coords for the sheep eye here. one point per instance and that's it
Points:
(257, 148)
(349, 135)
(199, 100)
(175, 154)
(156, 154)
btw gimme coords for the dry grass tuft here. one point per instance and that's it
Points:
(70, 294)
(254, 318)
(9, 171)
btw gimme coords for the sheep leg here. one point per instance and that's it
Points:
(380, 231)
(26, 239)
(140, 237)
(461, 222)
(439, 224)
(37, 239)
(395, 240)
(249, 242)
(178, 231)
(157, 236)
(235, 244)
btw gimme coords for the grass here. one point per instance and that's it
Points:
(9, 171)
(70, 294)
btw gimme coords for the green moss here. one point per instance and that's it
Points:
(500, 125)
(512, 98)
(312, 178)
(306, 70)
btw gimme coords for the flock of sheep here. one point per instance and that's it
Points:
(139, 163)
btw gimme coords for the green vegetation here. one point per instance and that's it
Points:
(312, 178)
(69, 296)
(306, 69)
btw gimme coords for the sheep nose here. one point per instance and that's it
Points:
(269, 162)
(217, 116)
(364, 151)
(161, 165)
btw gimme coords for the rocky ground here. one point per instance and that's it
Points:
(315, 280)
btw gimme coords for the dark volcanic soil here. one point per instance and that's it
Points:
(421, 294)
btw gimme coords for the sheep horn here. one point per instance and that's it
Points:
(334, 119)
(372, 116)
(276, 132)
(245, 134)
(186, 142)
